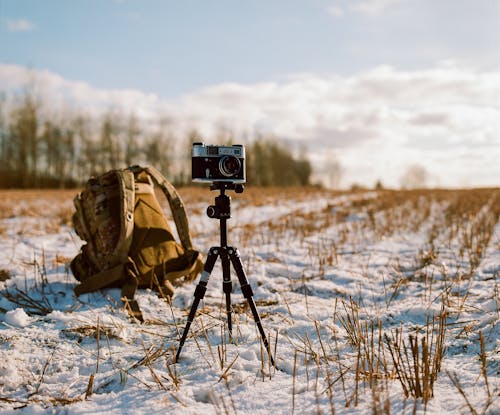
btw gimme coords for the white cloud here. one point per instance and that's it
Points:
(373, 7)
(377, 122)
(63, 93)
(335, 11)
(19, 25)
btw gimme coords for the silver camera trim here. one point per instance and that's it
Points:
(201, 150)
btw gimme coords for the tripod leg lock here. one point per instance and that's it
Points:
(247, 291)
(227, 287)
(200, 290)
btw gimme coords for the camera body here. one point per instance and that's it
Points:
(212, 163)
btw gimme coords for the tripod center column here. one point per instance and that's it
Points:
(223, 208)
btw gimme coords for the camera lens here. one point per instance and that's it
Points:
(229, 166)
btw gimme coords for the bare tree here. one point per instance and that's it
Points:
(65, 170)
(415, 177)
(132, 148)
(110, 145)
(23, 131)
(334, 171)
(182, 172)
(50, 140)
(87, 155)
(4, 137)
(159, 148)
(271, 163)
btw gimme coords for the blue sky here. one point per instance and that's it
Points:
(173, 47)
(356, 76)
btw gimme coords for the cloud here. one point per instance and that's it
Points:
(335, 11)
(19, 25)
(367, 7)
(377, 122)
(64, 93)
(373, 7)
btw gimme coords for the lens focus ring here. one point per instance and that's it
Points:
(229, 166)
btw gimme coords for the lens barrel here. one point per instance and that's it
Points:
(229, 166)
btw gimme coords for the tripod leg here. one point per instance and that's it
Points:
(246, 289)
(199, 293)
(227, 287)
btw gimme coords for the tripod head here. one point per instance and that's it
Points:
(223, 186)
(222, 207)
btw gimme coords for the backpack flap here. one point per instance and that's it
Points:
(154, 250)
(176, 206)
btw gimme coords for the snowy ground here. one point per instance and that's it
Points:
(344, 283)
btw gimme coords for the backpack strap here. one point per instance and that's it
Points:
(81, 222)
(126, 272)
(129, 289)
(126, 186)
(176, 206)
(100, 280)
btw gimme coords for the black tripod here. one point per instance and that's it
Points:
(222, 211)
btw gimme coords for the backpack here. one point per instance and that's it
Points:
(129, 242)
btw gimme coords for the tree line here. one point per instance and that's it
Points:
(39, 151)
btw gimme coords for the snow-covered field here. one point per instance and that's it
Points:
(381, 302)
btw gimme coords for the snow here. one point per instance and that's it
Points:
(17, 318)
(321, 265)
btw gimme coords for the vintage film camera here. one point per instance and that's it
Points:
(218, 163)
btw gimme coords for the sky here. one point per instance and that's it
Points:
(377, 85)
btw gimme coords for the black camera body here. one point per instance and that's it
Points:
(218, 163)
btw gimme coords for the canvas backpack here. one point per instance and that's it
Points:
(129, 242)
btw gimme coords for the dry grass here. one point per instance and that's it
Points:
(27, 202)
(4, 274)
(417, 360)
(490, 395)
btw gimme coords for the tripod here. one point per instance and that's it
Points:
(222, 211)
